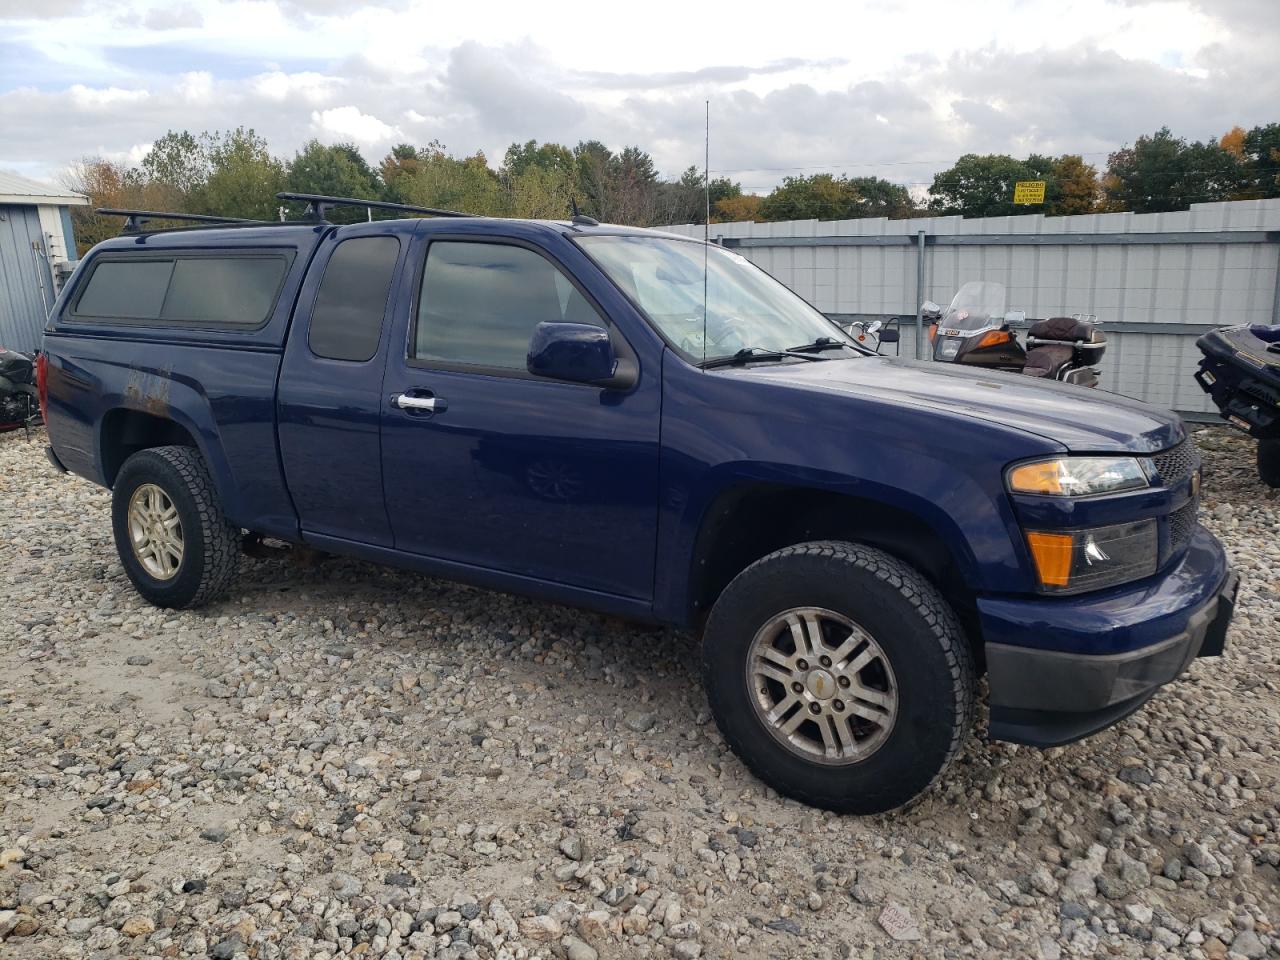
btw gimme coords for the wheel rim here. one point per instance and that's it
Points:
(155, 531)
(822, 686)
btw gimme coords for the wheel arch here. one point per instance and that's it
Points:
(750, 520)
(125, 430)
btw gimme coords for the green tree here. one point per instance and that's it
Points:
(824, 196)
(1162, 172)
(178, 161)
(440, 180)
(1261, 157)
(521, 157)
(982, 186)
(243, 176)
(335, 171)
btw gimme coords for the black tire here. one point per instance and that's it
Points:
(211, 545)
(919, 635)
(1269, 462)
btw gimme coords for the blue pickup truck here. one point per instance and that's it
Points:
(650, 426)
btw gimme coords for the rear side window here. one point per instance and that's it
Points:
(346, 321)
(481, 301)
(126, 288)
(199, 290)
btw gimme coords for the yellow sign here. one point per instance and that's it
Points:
(1028, 191)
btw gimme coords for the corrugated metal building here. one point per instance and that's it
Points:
(1156, 281)
(37, 252)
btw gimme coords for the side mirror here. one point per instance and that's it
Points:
(1015, 316)
(578, 353)
(929, 308)
(889, 335)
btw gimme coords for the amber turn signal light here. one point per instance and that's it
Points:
(933, 332)
(994, 338)
(1052, 554)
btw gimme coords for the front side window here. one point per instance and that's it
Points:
(211, 290)
(346, 321)
(481, 301)
(737, 304)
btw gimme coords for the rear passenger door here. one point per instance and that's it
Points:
(329, 400)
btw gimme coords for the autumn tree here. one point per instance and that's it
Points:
(1075, 187)
(107, 184)
(743, 207)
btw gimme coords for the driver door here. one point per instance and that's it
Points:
(503, 470)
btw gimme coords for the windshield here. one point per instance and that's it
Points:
(745, 307)
(978, 304)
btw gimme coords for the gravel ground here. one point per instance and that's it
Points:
(344, 760)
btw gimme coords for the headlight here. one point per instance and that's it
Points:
(1078, 476)
(1072, 561)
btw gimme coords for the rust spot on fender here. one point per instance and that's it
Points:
(149, 392)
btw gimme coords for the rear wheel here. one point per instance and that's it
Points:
(839, 675)
(174, 542)
(1269, 462)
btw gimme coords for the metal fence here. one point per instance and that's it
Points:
(1156, 281)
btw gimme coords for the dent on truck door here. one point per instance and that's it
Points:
(331, 385)
(489, 466)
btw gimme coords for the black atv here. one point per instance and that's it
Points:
(1241, 372)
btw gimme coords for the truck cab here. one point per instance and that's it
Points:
(650, 426)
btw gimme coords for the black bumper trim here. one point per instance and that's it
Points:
(53, 459)
(1050, 697)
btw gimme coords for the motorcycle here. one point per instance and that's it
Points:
(19, 394)
(976, 331)
(1241, 373)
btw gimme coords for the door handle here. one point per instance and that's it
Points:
(407, 401)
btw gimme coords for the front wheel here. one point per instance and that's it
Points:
(173, 540)
(839, 675)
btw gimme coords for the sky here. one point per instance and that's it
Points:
(881, 88)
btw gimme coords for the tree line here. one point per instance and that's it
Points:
(235, 174)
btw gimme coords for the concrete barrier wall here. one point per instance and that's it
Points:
(1156, 281)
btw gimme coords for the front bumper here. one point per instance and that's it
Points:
(1077, 666)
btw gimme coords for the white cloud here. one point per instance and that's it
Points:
(196, 86)
(91, 98)
(314, 88)
(172, 18)
(892, 88)
(348, 123)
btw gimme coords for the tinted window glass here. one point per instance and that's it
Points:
(223, 290)
(216, 290)
(126, 288)
(481, 301)
(346, 321)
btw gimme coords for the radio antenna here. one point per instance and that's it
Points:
(706, 226)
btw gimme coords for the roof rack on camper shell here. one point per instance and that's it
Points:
(136, 218)
(316, 207)
(317, 204)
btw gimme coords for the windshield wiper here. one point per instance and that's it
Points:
(822, 343)
(747, 354)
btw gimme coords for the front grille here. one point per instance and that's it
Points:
(1181, 524)
(1177, 463)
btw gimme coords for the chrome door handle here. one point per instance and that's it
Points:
(406, 402)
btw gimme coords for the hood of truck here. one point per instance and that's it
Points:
(1082, 419)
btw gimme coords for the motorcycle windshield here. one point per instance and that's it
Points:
(978, 304)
